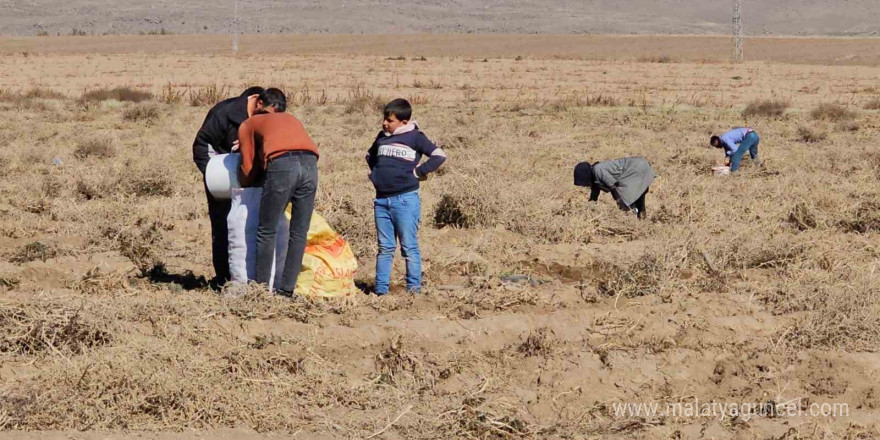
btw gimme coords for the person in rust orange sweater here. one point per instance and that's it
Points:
(276, 148)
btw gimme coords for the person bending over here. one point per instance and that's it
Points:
(627, 179)
(219, 135)
(736, 143)
(288, 159)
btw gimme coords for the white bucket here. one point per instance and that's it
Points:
(221, 176)
(721, 171)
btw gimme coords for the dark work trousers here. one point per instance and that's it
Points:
(218, 210)
(639, 205)
(290, 178)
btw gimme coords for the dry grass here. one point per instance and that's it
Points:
(33, 251)
(170, 95)
(208, 95)
(833, 112)
(538, 343)
(142, 246)
(123, 94)
(100, 147)
(873, 104)
(362, 100)
(767, 108)
(577, 100)
(25, 332)
(148, 113)
(108, 323)
(847, 125)
(661, 59)
(811, 134)
(29, 95)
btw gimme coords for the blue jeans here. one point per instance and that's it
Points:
(750, 144)
(398, 217)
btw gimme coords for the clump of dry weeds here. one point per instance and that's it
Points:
(755, 253)
(394, 361)
(101, 147)
(838, 315)
(8, 282)
(864, 219)
(170, 95)
(52, 186)
(124, 94)
(37, 92)
(832, 112)
(449, 212)
(659, 59)
(97, 187)
(473, 304)
(847, 126)
(645, 277)
(28, 331)
(362, 100)
(803, 217)
(142, 245)
(579, 100)
(208, 95)
(141, 113)
(480, 418)
(255, 302)
(98, 281)
(465, 206)
(539, 343)
(147, 181)
(768, 108)
(32, 251)
(811, 134)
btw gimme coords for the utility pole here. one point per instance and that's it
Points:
(737, 33)
(235, 29)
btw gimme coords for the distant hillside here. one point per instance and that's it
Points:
(778, 17)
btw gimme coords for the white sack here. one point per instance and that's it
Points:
(221, 176)
(242, 223)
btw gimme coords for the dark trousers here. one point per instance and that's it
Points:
(289, 179)
(218, 210)
(639, 205)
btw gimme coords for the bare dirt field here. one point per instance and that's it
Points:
(758, 290)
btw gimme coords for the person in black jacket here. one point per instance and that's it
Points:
(219, 135)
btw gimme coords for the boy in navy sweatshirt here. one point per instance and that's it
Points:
(395, 172)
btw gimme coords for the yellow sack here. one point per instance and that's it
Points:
(328, 265)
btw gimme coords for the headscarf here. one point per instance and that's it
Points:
(583, 174)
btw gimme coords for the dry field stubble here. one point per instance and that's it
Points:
(756, 288)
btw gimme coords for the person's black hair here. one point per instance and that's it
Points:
(715, 141)
(400, 108)
(255, 90)
(274, 98)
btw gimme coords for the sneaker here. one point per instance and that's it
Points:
(234, 290)
(216, 284)
(284, 293)
(292, 296)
